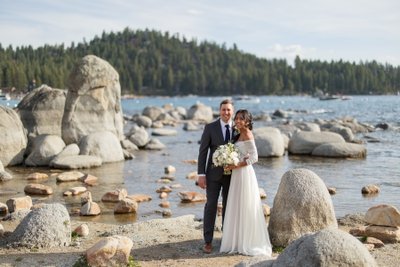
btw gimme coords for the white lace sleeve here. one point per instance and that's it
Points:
(251, 152)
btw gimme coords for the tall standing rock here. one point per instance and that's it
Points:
(302, 205)
(13, 138)
(93, 102)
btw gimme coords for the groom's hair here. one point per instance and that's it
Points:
(225, 101)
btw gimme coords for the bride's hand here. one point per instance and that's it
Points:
(229, 167)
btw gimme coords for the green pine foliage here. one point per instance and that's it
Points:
(153, 63)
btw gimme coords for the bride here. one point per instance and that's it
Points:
(244, 229)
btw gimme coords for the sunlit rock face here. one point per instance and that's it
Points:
(93, 102)
(13, 138)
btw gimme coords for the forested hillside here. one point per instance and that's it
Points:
(155, 63)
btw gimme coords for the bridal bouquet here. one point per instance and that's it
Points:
(227, 154)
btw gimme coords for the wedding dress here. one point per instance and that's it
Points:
(245, 230)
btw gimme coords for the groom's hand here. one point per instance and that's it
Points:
(201, 181)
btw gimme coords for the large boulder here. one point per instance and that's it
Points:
(200, 112)
(345, 132)
(47, 226)
(41, 110)
(144, 121)
(154, 144)
(104, 145)
(303, 142)
(45, 148)
(328, 247)
(302, 205)
(357, 127)
(308, 126)
(153, 112)
(138, 136)
(69, 150)
(269, 142)
(182, 112)
(13, 138)
(288, 129)
(93, 102)
(340, 150)
(348, 122)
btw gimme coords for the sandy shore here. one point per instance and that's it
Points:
(160, 242)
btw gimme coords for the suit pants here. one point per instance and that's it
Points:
(210, 209)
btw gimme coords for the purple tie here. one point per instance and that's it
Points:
(227, 134)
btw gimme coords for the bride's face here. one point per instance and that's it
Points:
(240, 123)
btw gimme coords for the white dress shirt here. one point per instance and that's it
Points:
(223, 128)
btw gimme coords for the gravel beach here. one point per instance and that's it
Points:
(159, 242)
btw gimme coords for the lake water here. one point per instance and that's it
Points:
(140, 175)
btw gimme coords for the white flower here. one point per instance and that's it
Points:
(227, 154)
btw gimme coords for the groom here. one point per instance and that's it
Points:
(212, 178)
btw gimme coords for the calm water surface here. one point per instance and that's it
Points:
(140, 175)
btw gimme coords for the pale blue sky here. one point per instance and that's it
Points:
(351, 30)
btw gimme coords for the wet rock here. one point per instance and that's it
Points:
(114, 196)
(75, 191)
(126, 205)
(155, 144)
(370, 189)
(188, 196)
(37, 176)
(70, 176)
(90, 209)
(38, 189)
(140, 197)
(19, 203)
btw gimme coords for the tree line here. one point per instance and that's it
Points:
(150, 62)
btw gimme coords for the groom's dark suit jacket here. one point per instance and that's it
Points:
(212, 138)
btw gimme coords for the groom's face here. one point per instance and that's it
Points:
(226, 112)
